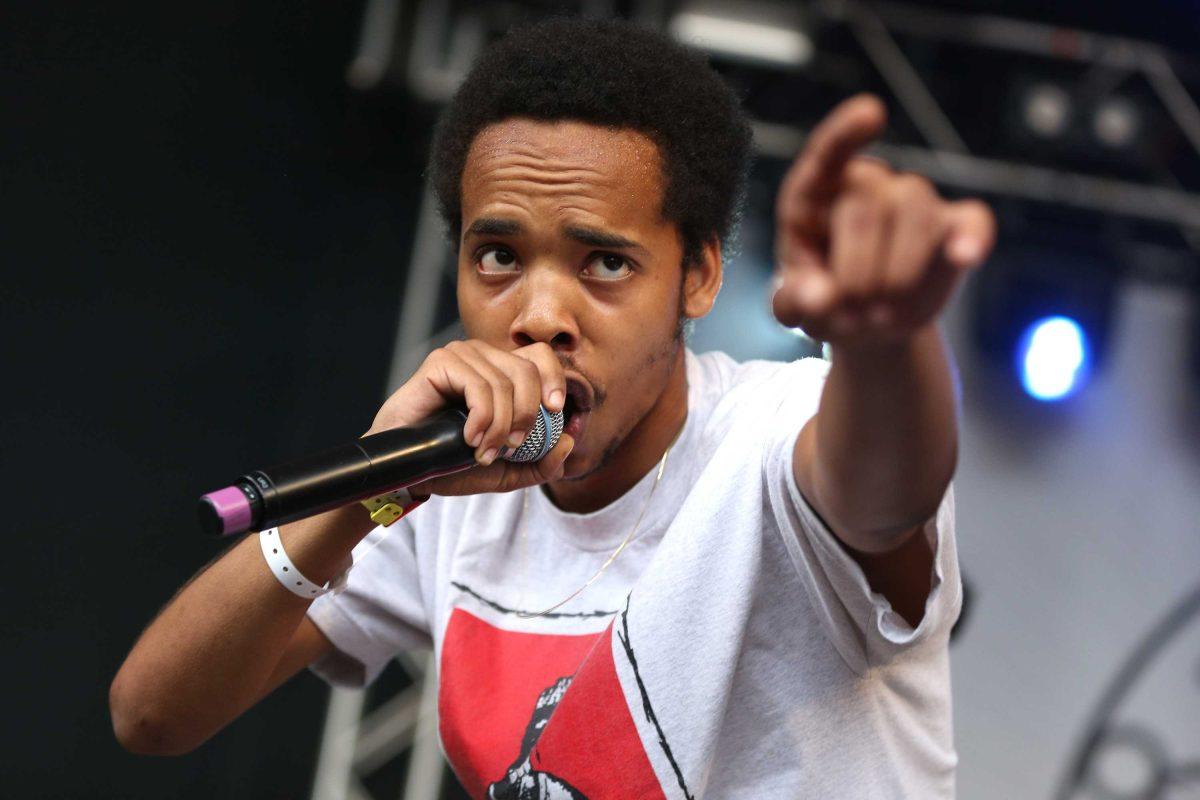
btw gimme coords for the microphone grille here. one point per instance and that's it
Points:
(547, 427)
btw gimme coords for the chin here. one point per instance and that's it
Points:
(585, 462)
(577, 466)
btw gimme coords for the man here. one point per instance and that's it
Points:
(726, 579)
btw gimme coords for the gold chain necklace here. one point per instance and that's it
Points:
(662, 465)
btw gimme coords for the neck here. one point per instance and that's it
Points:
(637, 454)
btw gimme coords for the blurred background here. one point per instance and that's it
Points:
(220, 253)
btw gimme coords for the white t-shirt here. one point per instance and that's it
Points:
(733, 650)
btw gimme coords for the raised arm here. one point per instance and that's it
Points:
(868, 258)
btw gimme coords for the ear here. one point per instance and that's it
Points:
(702, 280)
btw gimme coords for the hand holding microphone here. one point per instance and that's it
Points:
(514, 403)
(503, 391)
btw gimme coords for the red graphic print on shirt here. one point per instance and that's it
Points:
(527, 716)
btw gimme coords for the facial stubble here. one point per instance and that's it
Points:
(665, 354)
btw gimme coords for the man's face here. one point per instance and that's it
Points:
(564, 243)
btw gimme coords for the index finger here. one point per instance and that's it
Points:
(554, 381)
(817, 172)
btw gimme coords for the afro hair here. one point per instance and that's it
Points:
(615, 74)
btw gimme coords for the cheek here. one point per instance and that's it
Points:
(639, 341)
(484, 316)
(633, 336)
(650, 315)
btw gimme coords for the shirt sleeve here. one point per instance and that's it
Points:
(378, 613)
(860, 622)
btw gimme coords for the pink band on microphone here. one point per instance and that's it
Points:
(232, 507)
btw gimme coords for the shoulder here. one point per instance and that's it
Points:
(770, 385)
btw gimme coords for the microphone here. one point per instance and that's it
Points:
(366, 467)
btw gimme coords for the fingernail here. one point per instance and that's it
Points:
(967, 251)
(516, 438)
(556, 400)
(476, 439)
(489, 456)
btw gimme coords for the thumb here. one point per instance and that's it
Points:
(501, 475)
(533, 473)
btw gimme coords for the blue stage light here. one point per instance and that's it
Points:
(1053, 358)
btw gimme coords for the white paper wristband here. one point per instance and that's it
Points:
(285, 571)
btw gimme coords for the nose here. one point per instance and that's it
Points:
(546, 311)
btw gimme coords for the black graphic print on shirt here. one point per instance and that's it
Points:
(523, 782)
(581, 741)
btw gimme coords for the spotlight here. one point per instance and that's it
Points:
(1043, 312)
(1047, 110)
(1115, 123)
(1053, 358)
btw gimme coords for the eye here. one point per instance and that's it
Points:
(497, 259)
(608, 267)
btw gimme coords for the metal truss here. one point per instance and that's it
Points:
(1022, 181)
(431, 59)
(948, 159)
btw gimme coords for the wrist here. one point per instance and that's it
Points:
(320, 546)
(884, 349)
(290, 576)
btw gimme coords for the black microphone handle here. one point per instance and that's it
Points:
(365, 468)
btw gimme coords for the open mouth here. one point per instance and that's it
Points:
(576, 408)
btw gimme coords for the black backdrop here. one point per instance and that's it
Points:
(204, 239)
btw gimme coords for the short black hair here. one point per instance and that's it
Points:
(618, 75)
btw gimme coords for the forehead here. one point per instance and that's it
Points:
(569, 165)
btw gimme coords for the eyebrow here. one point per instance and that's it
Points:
(593, 237)
(491, 226)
